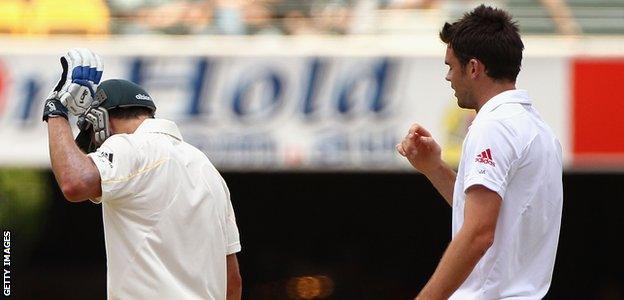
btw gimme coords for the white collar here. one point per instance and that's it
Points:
(159, 126)
(510, 96)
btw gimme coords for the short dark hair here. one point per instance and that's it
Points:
(130, 112)
(489, 35)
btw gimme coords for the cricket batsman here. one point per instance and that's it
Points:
(169, 225)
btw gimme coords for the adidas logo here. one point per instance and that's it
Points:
(485, 158)
(143, 97)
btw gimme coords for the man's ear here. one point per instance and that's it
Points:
(112, 125)
(475, 68)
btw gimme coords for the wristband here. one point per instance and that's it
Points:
(54, 108)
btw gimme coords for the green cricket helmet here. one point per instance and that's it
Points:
(110, 94)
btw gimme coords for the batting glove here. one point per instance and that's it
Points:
(97, 119)
(82, 71)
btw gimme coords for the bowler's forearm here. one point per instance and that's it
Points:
(443, 179)
(460, 258)
(234, 293)
(234, 280)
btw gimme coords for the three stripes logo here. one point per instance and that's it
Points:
(485, 158)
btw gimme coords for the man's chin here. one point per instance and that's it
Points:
(459, 102)
(462, 104)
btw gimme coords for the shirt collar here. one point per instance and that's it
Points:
(159, 126)
(510, 96)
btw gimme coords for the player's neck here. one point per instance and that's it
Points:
(489, 91)
(126, 125)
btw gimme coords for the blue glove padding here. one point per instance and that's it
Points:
(82, 72)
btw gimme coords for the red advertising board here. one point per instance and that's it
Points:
(598, 111)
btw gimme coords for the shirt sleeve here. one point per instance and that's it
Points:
(116, 160)
(489, 154)
(231, 230)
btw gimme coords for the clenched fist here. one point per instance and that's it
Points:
(420, 149)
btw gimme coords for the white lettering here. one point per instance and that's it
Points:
(143, 97)
(6, 278)
(7, 282)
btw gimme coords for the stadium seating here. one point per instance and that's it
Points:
(12, 17)
(593, 16)
(66, 16)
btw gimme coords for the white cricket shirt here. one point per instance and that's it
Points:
(168, 219)
(511, 151)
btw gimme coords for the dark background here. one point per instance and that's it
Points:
(376, 236)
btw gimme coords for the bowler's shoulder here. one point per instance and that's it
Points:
(512, 125)
(506, 112)
(508, 116)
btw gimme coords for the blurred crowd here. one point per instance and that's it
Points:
(196, 16)
(252, 16)
(238, 17)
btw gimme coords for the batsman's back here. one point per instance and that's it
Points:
(167, 238)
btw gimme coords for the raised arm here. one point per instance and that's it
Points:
(75, 172)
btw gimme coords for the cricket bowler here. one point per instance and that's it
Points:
(507, 194)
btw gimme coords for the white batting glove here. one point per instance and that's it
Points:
(82, 71)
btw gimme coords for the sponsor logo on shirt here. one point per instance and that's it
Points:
(485, 157)
(108, 157)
